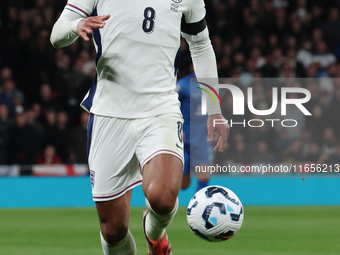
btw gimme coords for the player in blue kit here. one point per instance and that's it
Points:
(197, 151)
(135, 124)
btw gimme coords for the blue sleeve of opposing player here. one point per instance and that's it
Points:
(183, 89)
(179, 90)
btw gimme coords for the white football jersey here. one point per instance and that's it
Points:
(137, 54)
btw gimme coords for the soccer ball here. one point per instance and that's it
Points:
(215, 213)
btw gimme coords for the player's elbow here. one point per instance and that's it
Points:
(56, 46)
(54, 43)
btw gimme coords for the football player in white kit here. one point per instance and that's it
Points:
(135, 124)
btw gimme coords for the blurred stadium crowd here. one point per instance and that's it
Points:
(41, 87)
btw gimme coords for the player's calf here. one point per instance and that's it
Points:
(114, 220)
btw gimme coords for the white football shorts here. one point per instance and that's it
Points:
(119, 148)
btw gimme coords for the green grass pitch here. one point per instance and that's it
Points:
(265, 231)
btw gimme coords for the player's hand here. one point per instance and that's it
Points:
(217, 123)
(85, 26)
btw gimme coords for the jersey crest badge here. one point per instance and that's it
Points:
(177, 1)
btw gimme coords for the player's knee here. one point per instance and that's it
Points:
(114, 233)
(162, 202)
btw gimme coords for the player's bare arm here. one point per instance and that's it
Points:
(85, 26)
(222, 128)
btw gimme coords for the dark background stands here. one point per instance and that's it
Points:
(41, 87)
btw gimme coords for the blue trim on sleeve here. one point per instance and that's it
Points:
(77, 8)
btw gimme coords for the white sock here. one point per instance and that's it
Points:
(155, 224)
(125, 247)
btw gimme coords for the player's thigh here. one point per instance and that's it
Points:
(160, 153)
(114, 217)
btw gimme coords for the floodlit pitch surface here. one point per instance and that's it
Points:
(265, 231)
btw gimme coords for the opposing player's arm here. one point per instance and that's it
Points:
(75, 21)
(195, 31)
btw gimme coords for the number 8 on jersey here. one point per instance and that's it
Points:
(149, 20)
